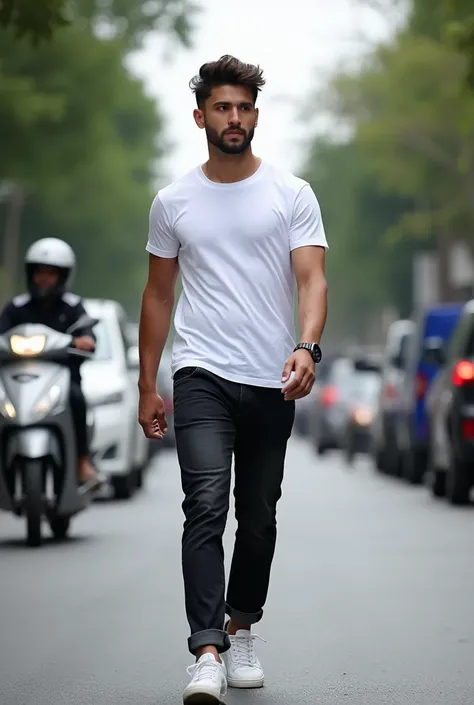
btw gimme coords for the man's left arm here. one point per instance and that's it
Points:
(309, 268)
(308, 246)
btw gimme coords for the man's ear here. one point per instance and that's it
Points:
(199, 118)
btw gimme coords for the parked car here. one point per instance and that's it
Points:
(119, 447)
(450, 409)
(304, 408)
(393, 369)
(433, 326)
(330, 409)
(363, 397)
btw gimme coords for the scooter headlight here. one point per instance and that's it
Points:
(48, 402)
(7, 410)
(33, 345)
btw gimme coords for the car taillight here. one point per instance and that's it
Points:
(468, 429)
(463, 373)
(390, 391)
(328, 396)
(421, 385)
(168, 402)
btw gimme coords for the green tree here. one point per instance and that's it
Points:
(415, 120)
(130, 19)
(365, 272)
(403, 181)
(81, 145)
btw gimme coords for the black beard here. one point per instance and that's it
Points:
(227, 147)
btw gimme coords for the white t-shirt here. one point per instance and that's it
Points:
(235, 315)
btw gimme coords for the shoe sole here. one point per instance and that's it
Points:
(245, 684)
(202, 699)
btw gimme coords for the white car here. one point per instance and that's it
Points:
(119, 446)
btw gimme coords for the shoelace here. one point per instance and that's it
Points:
(203, 670)
(244, 650)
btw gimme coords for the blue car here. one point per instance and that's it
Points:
(434, 326)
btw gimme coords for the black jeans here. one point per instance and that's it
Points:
(79, 415)
(214, 420)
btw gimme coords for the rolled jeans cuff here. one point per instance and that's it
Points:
(243, 617)
(209, 637)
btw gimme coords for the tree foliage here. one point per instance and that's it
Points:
(415, 120)
(404, 178)
(39, 20)
(81, 142)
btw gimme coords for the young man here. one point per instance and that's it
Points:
(239, 230)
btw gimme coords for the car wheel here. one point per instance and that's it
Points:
(458, 482)
(438, 483)
(123, 486)
(350, 455)
(437, 477)
(414, 466)
(321, 449)
(393, 461)
(379, 460)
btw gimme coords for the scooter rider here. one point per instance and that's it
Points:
(50, 265)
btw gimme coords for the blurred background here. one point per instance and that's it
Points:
(371, 101)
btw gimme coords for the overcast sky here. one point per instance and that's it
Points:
(296, 42)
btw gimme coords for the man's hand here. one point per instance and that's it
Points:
(151, 415)
(302, 364)
(84, 342)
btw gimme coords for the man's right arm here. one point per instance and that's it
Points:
(155, 318)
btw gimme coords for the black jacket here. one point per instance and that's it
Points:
(68, 309)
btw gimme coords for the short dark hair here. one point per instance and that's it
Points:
(226, 71)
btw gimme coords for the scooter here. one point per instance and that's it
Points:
(38, 459)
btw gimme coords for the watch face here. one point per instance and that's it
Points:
(316, 353)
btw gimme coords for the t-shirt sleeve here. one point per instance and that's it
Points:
(162, 241)
(307, 226)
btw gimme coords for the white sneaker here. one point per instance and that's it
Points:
(243, 667)
(208, 682)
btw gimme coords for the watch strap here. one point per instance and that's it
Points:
(312, 348)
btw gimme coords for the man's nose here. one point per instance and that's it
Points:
(234, 117)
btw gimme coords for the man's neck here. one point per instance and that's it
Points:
(230, 168)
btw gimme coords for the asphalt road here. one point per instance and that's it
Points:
(371, 600)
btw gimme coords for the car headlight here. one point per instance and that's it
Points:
(34, 345)
(107, 399)
(7, 410)
(47, 403)
(363, 416)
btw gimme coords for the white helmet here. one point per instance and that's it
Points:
(51, 252)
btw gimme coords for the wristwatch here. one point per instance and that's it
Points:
(313, 349)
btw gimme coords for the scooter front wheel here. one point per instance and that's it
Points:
(33, 493)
